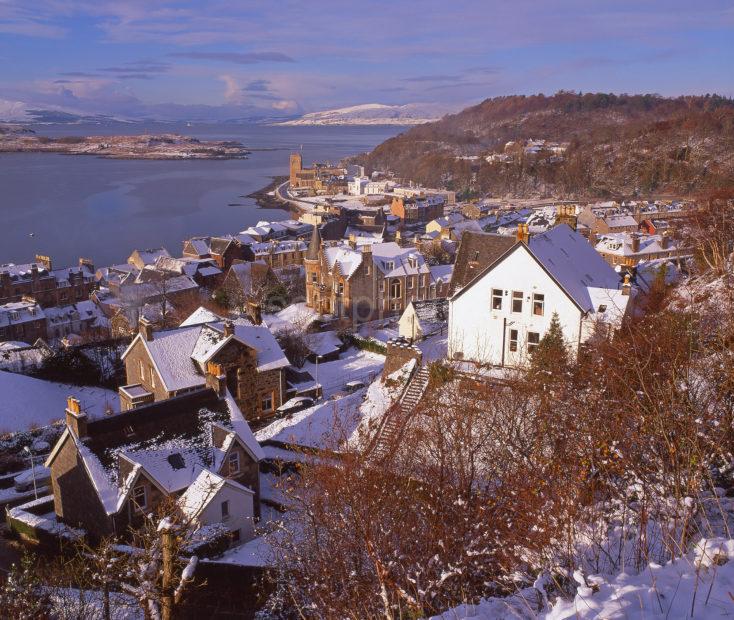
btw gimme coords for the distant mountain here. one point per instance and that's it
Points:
(616, 145)
(374, 114)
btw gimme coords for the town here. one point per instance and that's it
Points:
(197, 383)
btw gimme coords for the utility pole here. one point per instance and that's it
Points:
(167, 581)
(28, 451)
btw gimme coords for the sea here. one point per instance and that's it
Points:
(71, 206)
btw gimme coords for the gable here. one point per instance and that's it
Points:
(234, 350)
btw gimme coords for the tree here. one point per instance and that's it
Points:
(550, 357)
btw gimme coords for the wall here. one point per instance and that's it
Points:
(241, 512)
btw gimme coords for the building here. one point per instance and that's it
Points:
(279, 254)
(108, 473)
(424, 318)
(363, 283)
(49, 287)
(476, 252)
(224, 251)
(628, 249)
(501, 313)
(419, 209)
(249, 282)
(140, 258)
(315, 178)
(165, 364)
(22, 321)
(82, 319)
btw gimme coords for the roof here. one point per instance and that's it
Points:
(386, 254)
(203, 490)
(476, 252)
(619, 221)
(343, 259)
(430, 311)
(17, 312)
(200, 316)
(571, 261)
(179, 355)
(323, 343)
(620, 244)
(169, 441)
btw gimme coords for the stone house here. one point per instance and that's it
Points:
(628, 249)
(368, 282)
(140, 258)
(417, 209)
(49, 287)
(279, 254)
(165, 364)
(22, 321)
(249, 282)
(107, 473)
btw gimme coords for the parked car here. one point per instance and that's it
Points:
(295, 404)
(353, 386)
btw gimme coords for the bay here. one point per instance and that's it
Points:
(68, 206)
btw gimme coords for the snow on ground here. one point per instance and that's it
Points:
(352, 365)
(522, 606)
(434, 347)
(320, 426)
(379, 330)
(27, 401)
(257, 552)
(700, 585)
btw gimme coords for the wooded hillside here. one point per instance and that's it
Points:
(617, 146)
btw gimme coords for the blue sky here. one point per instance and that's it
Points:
(225, 58)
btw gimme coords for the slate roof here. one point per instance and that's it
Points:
(476, 252)
(431, 311)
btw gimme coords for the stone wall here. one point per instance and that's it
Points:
(399, 353)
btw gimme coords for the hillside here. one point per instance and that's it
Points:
(373, 114)
(615, 145)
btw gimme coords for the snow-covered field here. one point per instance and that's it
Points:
(27, 401)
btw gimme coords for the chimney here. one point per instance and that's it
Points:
(353, 240)
(45, 261)
(76, 419)
(228, 329)
(216, 379)
(145, 329)
(635, 243)
(627, 284)
(254, 311)
(665, 240)
(523, 233)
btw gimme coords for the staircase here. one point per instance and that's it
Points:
(398, 415)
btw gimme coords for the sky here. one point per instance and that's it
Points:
(222, 59)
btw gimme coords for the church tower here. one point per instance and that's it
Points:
(296, 168)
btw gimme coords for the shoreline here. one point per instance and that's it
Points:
(265, 197)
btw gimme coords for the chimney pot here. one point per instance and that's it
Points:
(76, 419)
(216, 379)
(145, 328)
(228, 329)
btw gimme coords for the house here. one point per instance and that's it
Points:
(279, 254)
(48, 286)
(628, 249)
(223, 251)
(82, 319)
(424, 318)
(22, 321)
(162, 365)
(140, 258)
(476, 251)
(363, 283)
(248, 282)
(108, 472)
(501, 313)
(418, 209)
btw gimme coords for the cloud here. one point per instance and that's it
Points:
(432, 78)
(257, 86)
(139, 66)
(240, 58)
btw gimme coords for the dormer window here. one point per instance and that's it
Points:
(389, 265)
(140, 498)
(14, 315)
(233, 463)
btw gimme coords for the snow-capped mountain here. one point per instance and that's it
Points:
(375, 114)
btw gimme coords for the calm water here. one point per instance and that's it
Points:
(103, 208)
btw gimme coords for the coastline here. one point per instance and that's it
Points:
(265, 198)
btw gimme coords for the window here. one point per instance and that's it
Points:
(314, 276)
(513, 340)
(152, 377)
(368, 269)
(140, 498)
(233, 461)
(340, 288)
(517, 301)
(389, 265)
(395, 289)
(533, 341)
(14, 316)
(382, 286)
(410, 282)
(142, 370)
(225, 510)
(538, 304)
(496, 299)
(267, 403)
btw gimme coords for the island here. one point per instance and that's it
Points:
(145, 146)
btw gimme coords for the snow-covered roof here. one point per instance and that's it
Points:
(323, 343)
(203, 490)
(393, 260)
(574, 264)
(620, 244)
(200, 316)
(620, 221)
(17, 312)
(441, 273)
(180, 354)
(172, 467)
(343, 259)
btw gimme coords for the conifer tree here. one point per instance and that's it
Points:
(550, 357)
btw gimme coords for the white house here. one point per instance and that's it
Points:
(212, 499)
(501, 314)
